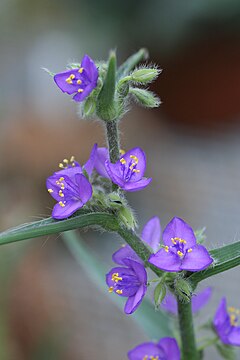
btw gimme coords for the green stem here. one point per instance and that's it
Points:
(113, 143)
(189, 349)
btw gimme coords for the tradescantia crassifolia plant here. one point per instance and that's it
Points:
(93, 195)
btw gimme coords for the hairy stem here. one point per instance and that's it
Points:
(189, 349)
(113, 143)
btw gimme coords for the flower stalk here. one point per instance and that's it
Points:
(189, 349)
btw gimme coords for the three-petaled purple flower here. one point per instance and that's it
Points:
(180, 251)
(128, 171)
(70, 187)
(226, 324)
(80, 81)
(150, 234)
(129, 281)
(166, 349)
(198, 301)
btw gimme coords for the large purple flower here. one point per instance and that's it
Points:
(70, 187)
(226, 324)
(150, 234)
(128, 172)
(198, 301)
(180, 251)
(80, 81)
(166, 349)
(130, 282)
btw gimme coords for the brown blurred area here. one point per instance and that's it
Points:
(49, 307)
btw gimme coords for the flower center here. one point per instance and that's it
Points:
(151, 357)
(124, 284)
(178, 247)
(129, 169)
(233, 313)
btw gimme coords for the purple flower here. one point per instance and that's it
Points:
(166, 349)
(180, 251)
(198, 301)
(80, 81)
(128, 172)
(70, 187)
(150, 234)
(130, 282)
(226, 324)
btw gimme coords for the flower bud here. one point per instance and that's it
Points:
(145, 98)
(145, 75)
(183, 289)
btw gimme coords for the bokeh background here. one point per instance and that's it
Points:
(49, 307)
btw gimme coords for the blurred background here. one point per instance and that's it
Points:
(49, 307)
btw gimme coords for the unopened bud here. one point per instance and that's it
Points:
(145, 75)
(183, 289)
(145, 98)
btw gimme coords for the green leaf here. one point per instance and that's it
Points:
(132, 62)
(225, 258)
(106, 107)
(151, 321)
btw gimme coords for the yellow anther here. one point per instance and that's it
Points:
(154, 357)
(177, 239)
(61, 204)
(116, 278)
(166, 248)
(182, 241)
(189, 250)
(61, 193)
(72, 159)
(233, 320)
(70, 78)
(119, 292)
(173, 241)
(110, 289)
(80, 70)
(65, 161)
(135, 158)
(145, 357)
(73, 164)
(123, 161)
(136, 170)
(80, 90)
(122, 152)
(61, 178)
(50, 191)
(79, 82)
(57, 182)
(62, 186)
(61, 166)
(179, 253)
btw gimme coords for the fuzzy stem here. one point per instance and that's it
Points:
(189, 349)
(113, 143)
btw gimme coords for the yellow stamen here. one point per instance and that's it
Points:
(62, 186)
(70, 78)
(122, 152)
(179, 253)
(119, 292)
(50, 191)
(116, 278)
(65, 161)
(72, 159)
(80, 70)
(166, 248)
(79, 82)
(177, 239)
(182, 241)
(135, 158)
(61, 193)
(73, 164)
(189, 250)
(145, 357)
(61, 204)
(61, 165)
(57, 182)
(61, 178)
(80, 90)
(233, 320)
(123, 161)
(136, 170)
(110, 289)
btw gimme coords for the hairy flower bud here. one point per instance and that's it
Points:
(183, 289)
(145, 98)
(145, 75)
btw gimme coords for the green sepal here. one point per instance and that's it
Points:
(89, 107)
(145, 75)
(183, 289)
(227, 352)
(145, 98)
(159, 293)
(107, 108)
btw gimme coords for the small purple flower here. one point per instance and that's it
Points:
(166, 349)
(150, 234)
(70, 187)
(198, 301)
(80, 81)
(226, 323)
(180, 251)
(128, 172)
(130, 282)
